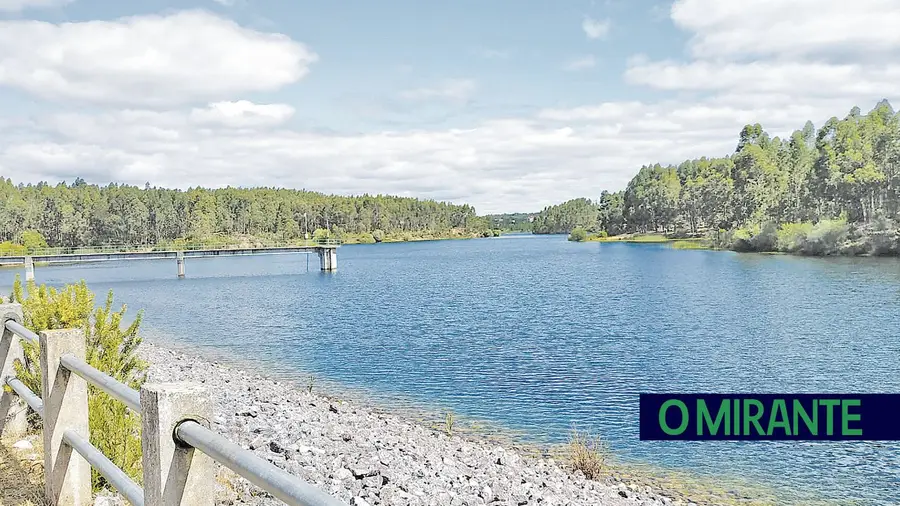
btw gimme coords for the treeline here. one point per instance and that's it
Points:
(511, 222)
(845, 175)
(81, 214)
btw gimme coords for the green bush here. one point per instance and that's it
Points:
(766, 238)
(792, 236)
(33, 240)
(8, 248)
(378, 235)
(366, 238)
(578, 234)
(322, 235)
(826, 238)
(114, 429)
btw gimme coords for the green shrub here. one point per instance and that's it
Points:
(8, 248)
(826, 238)
(33, 240)
(322, 235)
(721, 239)
(114, 429)
(366, 238)
(792, 236)
(766, 237)
(378, 235)
(603, 234)
(578, 234)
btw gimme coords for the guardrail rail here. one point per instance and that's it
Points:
(167, 246)
(179, 449)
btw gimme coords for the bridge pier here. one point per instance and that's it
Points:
(179, 259)
(29, 268)
(328, 259)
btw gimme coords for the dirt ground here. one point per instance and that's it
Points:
(21, 473)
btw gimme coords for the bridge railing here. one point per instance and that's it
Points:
(178, 447)
(167, 246)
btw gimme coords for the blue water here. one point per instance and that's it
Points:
(538, 334)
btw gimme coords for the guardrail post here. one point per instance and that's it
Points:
(174, 473)
(67, 475)
(29, 268)
(13, 413)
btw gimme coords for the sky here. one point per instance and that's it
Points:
(508, 105)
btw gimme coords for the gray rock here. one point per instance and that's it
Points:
(366, 458)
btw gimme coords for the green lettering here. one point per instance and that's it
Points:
(704, 418)
(800, 412)
(737, 417)
(753, 418)
(829, 414)
(779, 407)
(685, 418)
(846, 417)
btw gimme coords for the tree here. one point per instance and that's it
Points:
(33, 240)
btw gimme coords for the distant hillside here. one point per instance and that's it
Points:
(81, 214)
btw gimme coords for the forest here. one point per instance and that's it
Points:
(81, 214)
(828, 191)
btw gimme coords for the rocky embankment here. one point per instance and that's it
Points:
(363, 457)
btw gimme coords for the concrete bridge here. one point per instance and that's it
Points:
(327, 252)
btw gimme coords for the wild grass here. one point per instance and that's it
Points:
(636, 238)
(689, 244)
(588, 454)
(21, 474)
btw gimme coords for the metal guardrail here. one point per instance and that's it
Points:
(21, 331)
(191, 246)
(33, 401)
(258, 471)
(108, 384)
(115, 476)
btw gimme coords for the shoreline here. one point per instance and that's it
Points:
(304, 429)
(364, 456)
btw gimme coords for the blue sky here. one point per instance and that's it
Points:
(509, 106)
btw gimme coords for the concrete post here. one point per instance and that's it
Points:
(327, 259)
(173, 474)
(67, 476)
(13, 411)
(29, 268)
(332, 254)
(179, 259)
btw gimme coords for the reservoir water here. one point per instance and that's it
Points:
(539, 334)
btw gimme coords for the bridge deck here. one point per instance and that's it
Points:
(157, 255)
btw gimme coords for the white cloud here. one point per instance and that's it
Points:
(581, 63)
(786, 29)
(20, 5)
(732, 76)
(151, 60)
(596, 28)
(450, 89)
(242, 114)
(496, 165)
(781, 49)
